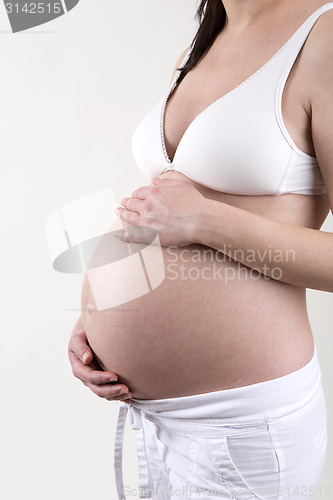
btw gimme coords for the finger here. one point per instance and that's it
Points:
(79, 346)
(133, 234)
(125, 397)
(109, 391)
(141, 193)
(115, 394)
(133, 204)
(128, 216)
(136, 234)
(89, 374)
(159, 180)
(165, 180)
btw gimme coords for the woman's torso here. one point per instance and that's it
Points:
(213, 324)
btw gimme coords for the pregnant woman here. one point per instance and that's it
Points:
(218, 362)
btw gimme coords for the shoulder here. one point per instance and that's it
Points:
(319, 50)
(178, 62)
(323, 25)
(316, 60)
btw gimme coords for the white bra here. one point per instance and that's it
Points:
(239, 143)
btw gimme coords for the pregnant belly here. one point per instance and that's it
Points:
(210, 324)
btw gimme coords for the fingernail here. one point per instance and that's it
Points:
(85, 356)
(123, 391)
(112, 379)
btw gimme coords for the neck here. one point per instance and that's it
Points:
(242, 14)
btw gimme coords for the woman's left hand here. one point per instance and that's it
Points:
(169, 207)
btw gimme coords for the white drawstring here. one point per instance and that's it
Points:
(145, 481)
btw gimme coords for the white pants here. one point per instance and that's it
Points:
(262, 441)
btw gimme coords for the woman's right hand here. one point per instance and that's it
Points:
(86, 369)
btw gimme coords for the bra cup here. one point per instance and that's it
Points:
(146, 143)
(235, 146)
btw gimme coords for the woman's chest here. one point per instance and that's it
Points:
(216, 78)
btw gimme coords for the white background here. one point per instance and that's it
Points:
(72, 93)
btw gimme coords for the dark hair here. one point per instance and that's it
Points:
(211, 16)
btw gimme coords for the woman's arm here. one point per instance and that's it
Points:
(293, 254)
(181, 216)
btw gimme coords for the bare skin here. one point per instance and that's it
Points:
(226, 335)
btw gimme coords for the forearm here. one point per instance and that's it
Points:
(292, 254)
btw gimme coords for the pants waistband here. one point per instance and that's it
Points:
(270, 399)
